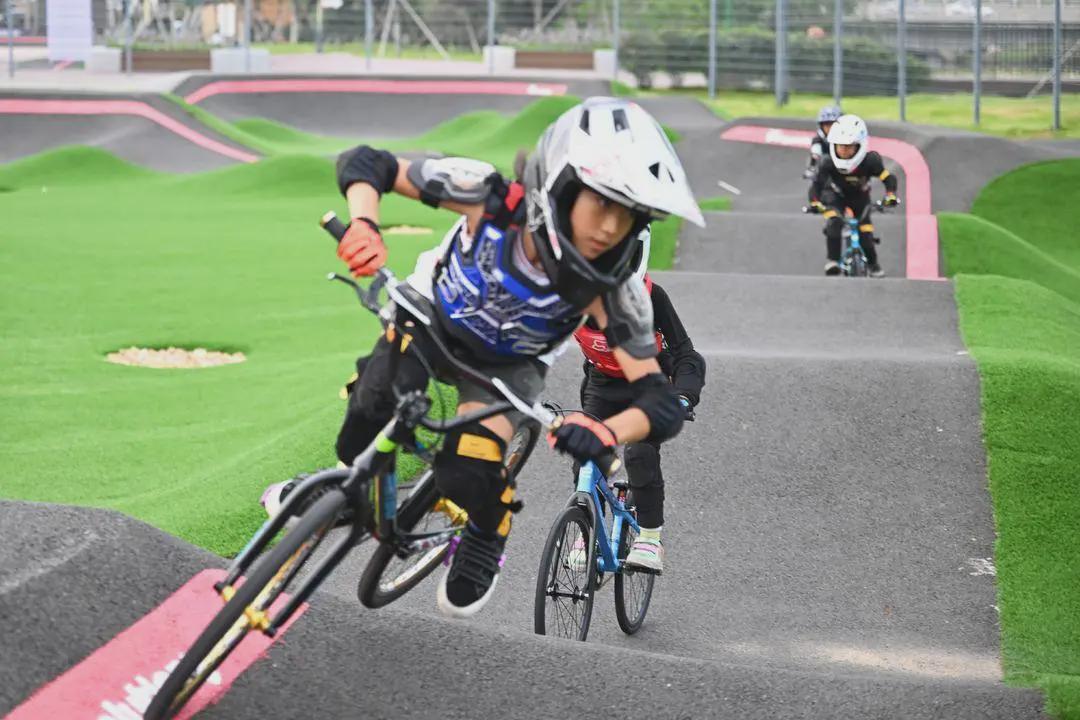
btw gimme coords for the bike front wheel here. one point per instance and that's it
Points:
(633, 588)
(566, 582)
(247, 606)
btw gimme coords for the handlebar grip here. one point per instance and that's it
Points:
(331, 224)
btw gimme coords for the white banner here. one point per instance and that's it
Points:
(70, 29)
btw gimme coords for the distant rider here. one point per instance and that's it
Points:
(843, 181)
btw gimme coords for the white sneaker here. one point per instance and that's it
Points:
(832, 268)
(578, 556)
(273, 497)
(647, 553)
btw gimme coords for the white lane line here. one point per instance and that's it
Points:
(730, 188)
(982, 566)
(46, 565)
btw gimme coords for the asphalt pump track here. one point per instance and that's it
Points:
(829, 530)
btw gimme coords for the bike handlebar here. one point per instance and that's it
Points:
(878, 205)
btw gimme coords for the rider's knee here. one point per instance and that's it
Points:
(834, 226)
(469, 470)
(643, 465)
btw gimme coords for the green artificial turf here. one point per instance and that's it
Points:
(1025, 339)
(1016, 262)
(1008, 117)
(229, 260)
(1040, 203)
(973, 245)
(716, 203)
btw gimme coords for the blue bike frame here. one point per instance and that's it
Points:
(854, 242)
(593, 486)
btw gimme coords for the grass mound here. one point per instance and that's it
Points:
(1026, 341)
(1028, 201)
(490, 136)
(1017, 271)
(279, 139)
(283, 176)
(977, 246)
(70, 165)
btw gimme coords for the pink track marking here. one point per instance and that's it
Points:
(27, 106)
(387, 87)
(921, 223)
(118, 680)
(62, 65)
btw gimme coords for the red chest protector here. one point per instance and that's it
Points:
(594, 346)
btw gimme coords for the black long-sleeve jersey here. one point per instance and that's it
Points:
(854, 184)
(678, 359)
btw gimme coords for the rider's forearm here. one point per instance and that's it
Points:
(363, 201)
(629, 426)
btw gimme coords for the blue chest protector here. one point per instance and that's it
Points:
(487, 303)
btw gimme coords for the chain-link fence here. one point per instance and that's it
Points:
(830, 47)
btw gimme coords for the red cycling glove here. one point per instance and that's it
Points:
(362, 248)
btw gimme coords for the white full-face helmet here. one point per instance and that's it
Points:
(849, 130)
(615, 148)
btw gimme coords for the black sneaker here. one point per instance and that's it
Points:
(876, 271)
(474, 569)
(832, 268)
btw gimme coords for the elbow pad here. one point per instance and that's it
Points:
(654, 396)
(365, 164)
(456, 179)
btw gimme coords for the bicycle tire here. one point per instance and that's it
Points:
(859, 268)
(373, 591)
(554, 558)
(631, 584)
(267, 580)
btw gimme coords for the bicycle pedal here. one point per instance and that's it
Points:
(621, 485)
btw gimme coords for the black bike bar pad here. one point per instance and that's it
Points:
(332, 225)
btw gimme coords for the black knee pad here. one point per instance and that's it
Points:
(834, 227)
(469, 470)
(643, 465)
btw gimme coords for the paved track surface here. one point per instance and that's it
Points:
(765, 232)
(961, 162)
(364, 115)
(70, 580)
(132, 138)
(828, 523)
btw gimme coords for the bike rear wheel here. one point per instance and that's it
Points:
(389, 574)
(566, 582)
(633, 588)
(246, 609)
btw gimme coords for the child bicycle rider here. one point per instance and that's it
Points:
(511, 281)
(843, 181)
(819, 145)
(606, 391)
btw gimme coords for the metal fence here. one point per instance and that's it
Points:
(840, 47)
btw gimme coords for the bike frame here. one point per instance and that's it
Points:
(853, 244)
(591, 487)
